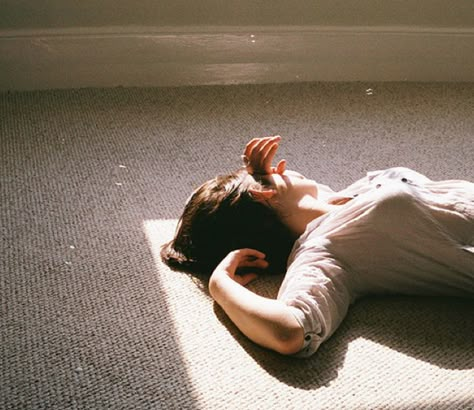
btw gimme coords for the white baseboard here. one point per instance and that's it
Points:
(135, 56)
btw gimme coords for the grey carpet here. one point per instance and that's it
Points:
(92, 182)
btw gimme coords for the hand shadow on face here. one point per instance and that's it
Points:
(437, 330)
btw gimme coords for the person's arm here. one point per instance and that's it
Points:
(265, 321)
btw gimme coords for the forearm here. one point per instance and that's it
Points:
(267, 322)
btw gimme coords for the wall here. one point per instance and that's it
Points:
(62, 44)
(21, 14)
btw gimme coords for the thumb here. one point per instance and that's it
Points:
(280, 168)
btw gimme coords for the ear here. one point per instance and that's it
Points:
(262, 195)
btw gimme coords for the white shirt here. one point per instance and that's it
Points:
(402, 233)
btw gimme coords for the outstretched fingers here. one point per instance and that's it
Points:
(258, 141)
(259, 154)
(267, 153)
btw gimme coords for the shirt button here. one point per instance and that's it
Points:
(355, 195)
(378, 185)
(404, 180)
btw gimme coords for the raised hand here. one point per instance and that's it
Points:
(259, 153)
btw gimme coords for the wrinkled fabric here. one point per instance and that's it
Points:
(401, 233)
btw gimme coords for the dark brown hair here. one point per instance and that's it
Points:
(221, 216)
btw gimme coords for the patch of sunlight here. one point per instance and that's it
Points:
(391, 369)
(199, 332)
(158, 232)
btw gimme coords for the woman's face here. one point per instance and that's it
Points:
(293, 197)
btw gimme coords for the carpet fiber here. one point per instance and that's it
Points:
(92, 182)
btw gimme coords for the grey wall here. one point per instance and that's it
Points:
(31, 14)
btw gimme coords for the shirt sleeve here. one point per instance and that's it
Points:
(316, 289)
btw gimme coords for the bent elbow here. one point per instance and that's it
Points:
(290, 342)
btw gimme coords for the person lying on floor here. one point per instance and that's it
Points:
(393, 231)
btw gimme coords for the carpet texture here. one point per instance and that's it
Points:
(92, 182)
